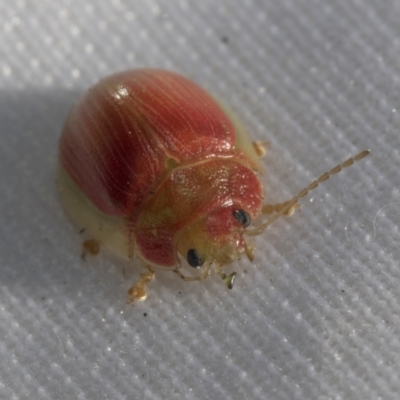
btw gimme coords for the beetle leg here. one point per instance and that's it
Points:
(90, 246)
(228, 279)
(261, 147)
(249, 249)
(273, 208)
(138, 291)
(200, 277)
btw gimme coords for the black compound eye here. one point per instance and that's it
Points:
(242, 217)
(193, 258)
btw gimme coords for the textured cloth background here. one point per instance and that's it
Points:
(316, 315)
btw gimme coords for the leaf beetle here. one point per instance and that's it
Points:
(152, 166)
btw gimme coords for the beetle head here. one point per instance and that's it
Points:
(215, 238)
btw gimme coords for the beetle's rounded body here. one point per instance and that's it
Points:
(151, 165)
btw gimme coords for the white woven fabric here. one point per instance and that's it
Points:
(316, 316)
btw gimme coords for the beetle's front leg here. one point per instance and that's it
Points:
(228, 279)
(138, 291)
(274, 208)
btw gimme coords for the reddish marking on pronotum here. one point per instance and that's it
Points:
(151, 165)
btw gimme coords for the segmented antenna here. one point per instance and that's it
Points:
(305, 191)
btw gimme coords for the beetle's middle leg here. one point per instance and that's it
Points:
(261, 147)
(139, 290)
(274, 208)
